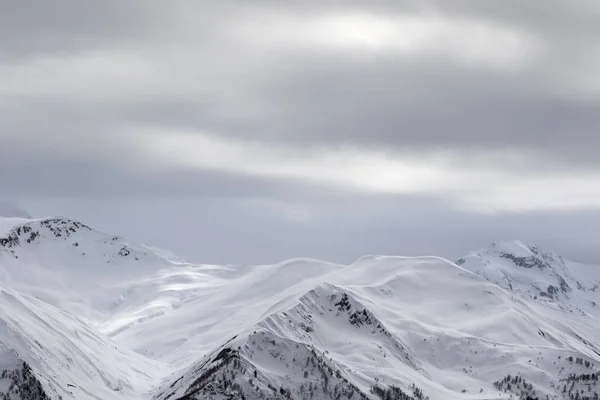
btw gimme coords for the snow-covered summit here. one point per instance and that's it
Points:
(52, 236)
(525, 269)
(70, 265)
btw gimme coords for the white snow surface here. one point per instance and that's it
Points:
(99, 317)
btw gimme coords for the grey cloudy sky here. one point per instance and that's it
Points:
(250, 132)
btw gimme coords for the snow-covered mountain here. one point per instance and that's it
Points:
(547, 277)
(86, 315)
(71, 266)
(67, 357)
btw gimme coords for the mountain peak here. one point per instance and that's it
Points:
(525, 255)
(544, 276)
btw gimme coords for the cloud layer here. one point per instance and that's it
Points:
(481, 108)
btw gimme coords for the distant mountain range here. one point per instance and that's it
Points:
(87, 315)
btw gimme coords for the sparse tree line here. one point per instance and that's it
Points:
(231, 376)
(580, 361)
(395, 393)
(518, 385)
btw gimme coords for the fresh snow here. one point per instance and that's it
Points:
(97, 316)
(68, 357)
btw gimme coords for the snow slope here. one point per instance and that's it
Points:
(133, 322)
(67, 356)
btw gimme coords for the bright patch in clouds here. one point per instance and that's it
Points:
(468, 42)
(494, 182)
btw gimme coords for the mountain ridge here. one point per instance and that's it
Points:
(382, 327)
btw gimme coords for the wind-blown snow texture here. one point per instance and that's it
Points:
(86, 315)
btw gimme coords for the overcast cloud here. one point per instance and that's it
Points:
(250, 132)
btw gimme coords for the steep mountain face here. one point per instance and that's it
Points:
(50, 353)
(17, 380)
(85, 315)
(263, 366)
(296, 353)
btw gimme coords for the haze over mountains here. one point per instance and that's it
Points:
(89, 315)
(9, 209)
